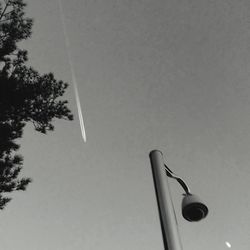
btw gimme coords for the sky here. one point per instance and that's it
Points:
(171, 75)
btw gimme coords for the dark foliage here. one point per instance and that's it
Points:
(25, 96)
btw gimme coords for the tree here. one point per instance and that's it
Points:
(25, 96)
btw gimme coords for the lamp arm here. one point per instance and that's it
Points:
(170, 174)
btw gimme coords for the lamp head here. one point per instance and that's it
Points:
(193, 209)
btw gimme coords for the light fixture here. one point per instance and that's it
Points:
(193, 209)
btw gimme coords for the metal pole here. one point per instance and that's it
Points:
(170, 233)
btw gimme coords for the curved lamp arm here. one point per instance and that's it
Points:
(170, 174)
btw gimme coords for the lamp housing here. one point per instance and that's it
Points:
(193, 209)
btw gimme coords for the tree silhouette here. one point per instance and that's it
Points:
(25, 96)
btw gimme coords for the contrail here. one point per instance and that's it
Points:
(75, 85)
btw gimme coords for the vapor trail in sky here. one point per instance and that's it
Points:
(73, 75)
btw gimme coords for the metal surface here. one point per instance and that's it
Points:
(170, 233)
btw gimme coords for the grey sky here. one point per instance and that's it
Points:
(172, 75)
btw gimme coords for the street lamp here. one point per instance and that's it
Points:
(193, 209)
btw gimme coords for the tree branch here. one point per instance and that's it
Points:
(4, 20)
(5, 8)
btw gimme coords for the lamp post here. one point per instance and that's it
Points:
(192, 207)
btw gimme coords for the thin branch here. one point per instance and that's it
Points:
(5, 8)
(8, 12)
(4, 20)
